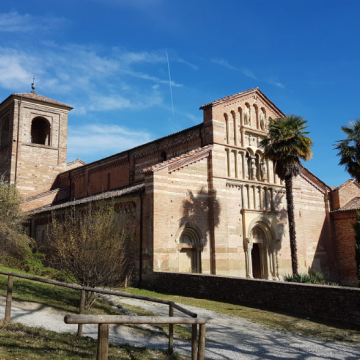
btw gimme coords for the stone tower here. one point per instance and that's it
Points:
(33, 141)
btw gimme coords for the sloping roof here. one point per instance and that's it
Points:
(77, 161)
(347, 182)
(353, 204)
(306, 173)
(105, 195)
(38, 97)
(183, 160)
(234, 96)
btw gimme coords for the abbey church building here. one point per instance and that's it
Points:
(202, 200)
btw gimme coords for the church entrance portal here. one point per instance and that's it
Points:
(190, 251)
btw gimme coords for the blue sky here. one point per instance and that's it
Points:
(107, 58)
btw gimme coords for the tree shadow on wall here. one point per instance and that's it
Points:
(201, 211)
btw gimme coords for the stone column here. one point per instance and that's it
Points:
(249, 245)
(236, 164)
(227, 129)
(228, 163)
(235, 128)
(268, 262)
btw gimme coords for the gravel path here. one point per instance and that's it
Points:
(227, 337)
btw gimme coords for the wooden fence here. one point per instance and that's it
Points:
(83, 290)
(197, 353)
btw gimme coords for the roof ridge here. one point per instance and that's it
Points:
(37, 97)
(173, 160)
(312, 174)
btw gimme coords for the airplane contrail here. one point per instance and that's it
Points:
(172, 102)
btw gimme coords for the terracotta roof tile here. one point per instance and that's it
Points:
(39, 98)
(180, 160)
(353, 204)
(105, 195)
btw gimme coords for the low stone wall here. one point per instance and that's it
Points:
(330, 302)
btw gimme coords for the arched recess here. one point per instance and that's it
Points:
(190, 248)
(261, 261)
(227, 135)
(40, 131)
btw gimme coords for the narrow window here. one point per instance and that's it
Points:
(163, 156)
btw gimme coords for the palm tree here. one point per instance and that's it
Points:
(349, 149)
(286, 145)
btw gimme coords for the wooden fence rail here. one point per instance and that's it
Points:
(83, 290)
(197, 352)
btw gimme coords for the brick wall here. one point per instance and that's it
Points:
(337, 303)
(345, 246)
(344, 193)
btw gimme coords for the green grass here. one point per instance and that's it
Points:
(329, 330)
(23, 342)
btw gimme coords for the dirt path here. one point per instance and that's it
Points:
(227, 337)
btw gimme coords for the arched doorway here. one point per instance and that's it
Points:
(190, 251)
(261, 253)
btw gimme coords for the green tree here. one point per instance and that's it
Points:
(356, 227)
(349, 149)
(286, 145)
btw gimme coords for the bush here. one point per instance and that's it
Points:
(311, 278)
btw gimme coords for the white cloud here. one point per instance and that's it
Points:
(89, 81)
(247, 72)
(15, 22)
(99, 139)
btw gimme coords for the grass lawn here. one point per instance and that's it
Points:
(23, 342)
(329, 330)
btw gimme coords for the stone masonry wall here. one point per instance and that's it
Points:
(327, 302)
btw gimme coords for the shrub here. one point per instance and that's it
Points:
(311, 278)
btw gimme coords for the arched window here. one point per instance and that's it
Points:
(40, 131)
(163, 156)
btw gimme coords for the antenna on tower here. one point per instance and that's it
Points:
(33, 85)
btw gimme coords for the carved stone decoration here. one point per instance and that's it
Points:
(253, 170)
(264, 171)
(262, 120)
(247, 119)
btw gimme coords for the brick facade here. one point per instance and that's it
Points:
(209, 204)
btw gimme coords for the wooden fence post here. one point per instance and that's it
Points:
(9, 298)
(201, 351)
(103, 342)
(194, 342)
(81, 310)
(171, 332)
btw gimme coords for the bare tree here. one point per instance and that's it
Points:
(14, 241)
(91, 243)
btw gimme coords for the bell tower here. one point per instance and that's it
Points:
(33, 141)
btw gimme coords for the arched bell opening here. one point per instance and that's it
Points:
(40, 131)
(190, 249)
